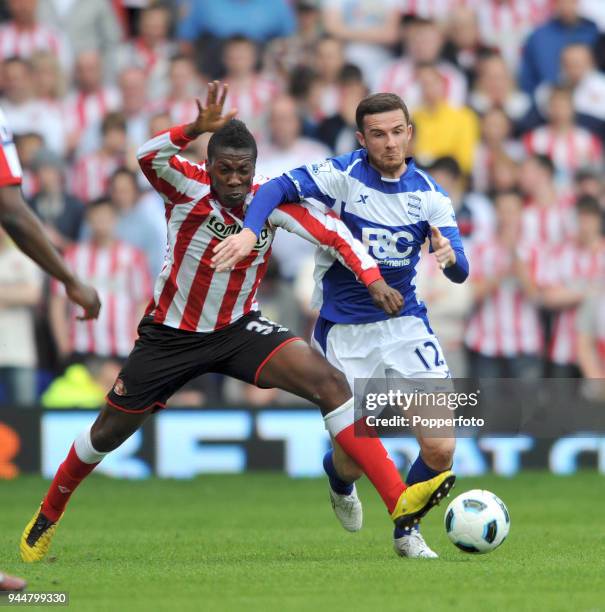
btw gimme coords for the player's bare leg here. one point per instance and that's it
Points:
(303, 371)
(435, 457)
(111, 428)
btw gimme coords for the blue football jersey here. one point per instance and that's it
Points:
(391, 217)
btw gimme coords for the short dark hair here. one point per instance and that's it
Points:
(544, 161)
(113, 121)
(124, 171)
(379, 103)
(98, 203)
(233, 135)
(446, 164)
(588, 205)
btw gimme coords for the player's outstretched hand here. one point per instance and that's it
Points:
(210, 116)
(232, 250)
(442, 248)
(85, 296)
(385, 297)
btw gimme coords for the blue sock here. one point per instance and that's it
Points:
(419, 472)
(337, 484)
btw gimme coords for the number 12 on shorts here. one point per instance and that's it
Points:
(430, 355)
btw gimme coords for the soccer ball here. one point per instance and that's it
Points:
(477, 521)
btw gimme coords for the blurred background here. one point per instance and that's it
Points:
(507, 98)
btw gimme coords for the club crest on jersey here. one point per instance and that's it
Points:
(325, 166)
(414, 205)
(223, 230)
(119, 388)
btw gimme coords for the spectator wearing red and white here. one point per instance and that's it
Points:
(504, 334)
(151, 50)
(474, 211)
(368, 30)
(91, 173)
(120, 274)
(590, 327)
(464, 47)
(437, 10)
(250, 92)
(578, 71)
(505, 24)
(88, 103)
(578, 266)
(50, 81)
(569, 146)
(423, 40)
(328, 62)
(136, 105)
(184, 88)
(286, 149)
(496, 142)
(28, 145)
(24, 112)
(23, 35)
(87, 25)
(495, 87)
(549, 216)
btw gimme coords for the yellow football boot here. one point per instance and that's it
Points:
(419, 498)
(37, 537)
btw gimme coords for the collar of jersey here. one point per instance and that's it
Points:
(409, 170)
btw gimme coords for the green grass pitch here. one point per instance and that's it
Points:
(265, 542)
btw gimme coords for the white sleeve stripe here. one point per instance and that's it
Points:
(426, 178)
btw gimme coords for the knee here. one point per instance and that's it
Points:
(438, 453)
(105, 438)
(332, 388)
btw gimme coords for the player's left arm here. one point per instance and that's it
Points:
(328, 232)
(445, 238)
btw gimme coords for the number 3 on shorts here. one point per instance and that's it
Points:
(430, 355)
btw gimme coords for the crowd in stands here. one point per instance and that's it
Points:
(507, 99)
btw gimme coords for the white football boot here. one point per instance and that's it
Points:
(348, 509)
(413, 546)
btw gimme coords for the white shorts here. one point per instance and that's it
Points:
(403, 347)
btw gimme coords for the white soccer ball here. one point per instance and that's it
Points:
(477, 521)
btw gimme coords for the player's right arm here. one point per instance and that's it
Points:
(328, 232)
(321, 182)
(26, 231)
(175, 178)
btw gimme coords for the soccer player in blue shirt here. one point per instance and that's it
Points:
(392, 207)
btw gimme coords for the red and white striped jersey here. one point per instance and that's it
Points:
(252, 102)
(506, 322)
(548, 224)
(82, 110)
(400, 77)
(10, 168)
(188, 293)
(19, 42)
(90, 175)
(571, 266)
(439, 10)
(120, 274)
(575, 149)
(505, 24)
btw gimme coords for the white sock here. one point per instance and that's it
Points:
(340, 418)
(85, 450)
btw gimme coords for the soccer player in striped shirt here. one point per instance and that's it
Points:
(202, 320)
(393, 207)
